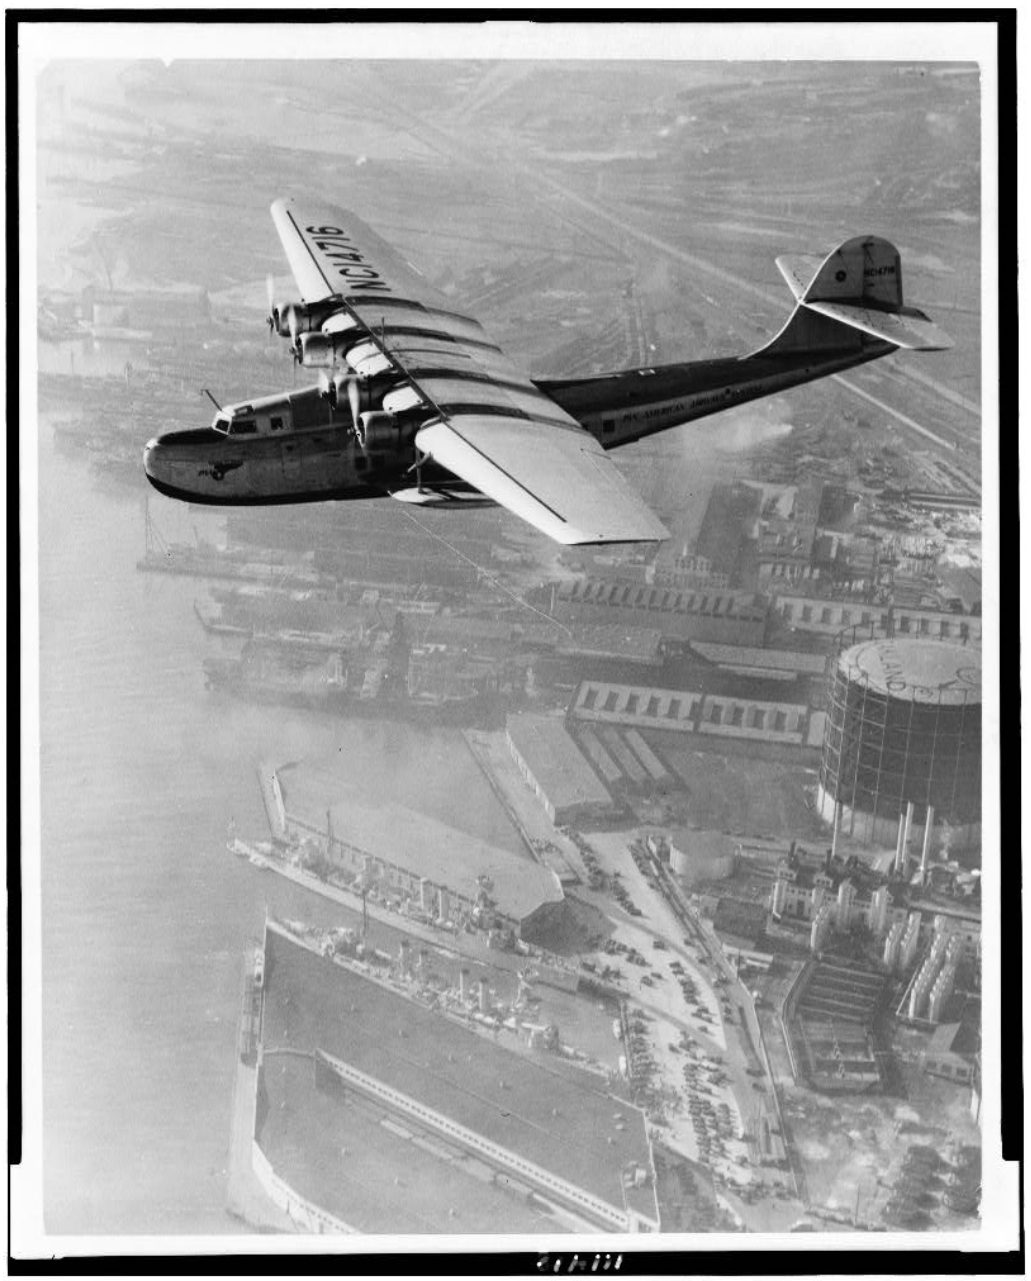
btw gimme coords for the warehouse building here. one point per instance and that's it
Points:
(830, 618)
(718, 615)
(553, 765)
(687, 711)
(762, 664)
(550, 1132)
(426, 869)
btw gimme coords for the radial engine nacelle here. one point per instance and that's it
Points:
(378, 432)
(322, 350)
(363, 394)
(296, 318)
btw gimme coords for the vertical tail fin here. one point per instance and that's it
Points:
(853, 298)
(866, 271)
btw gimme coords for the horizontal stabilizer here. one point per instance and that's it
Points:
(560, 481)
(908, 328)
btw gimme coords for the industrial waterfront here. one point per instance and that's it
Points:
(432, 880)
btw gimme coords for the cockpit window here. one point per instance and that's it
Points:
(243, 427)
(222, 423)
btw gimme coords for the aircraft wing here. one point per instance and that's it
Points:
(488, 423)
(560, 481)
(331, 253)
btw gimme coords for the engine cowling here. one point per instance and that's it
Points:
(334, 388)
(366, 397)
(378, 432)
(302, 318)
(321, 350)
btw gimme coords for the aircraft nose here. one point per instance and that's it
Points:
(151, 453)
(157, 463)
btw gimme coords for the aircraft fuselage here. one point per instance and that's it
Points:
(624, 407)
(297, 447)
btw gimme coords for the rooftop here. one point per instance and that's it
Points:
(422, 845)
(594, 591)
(556, 761)
(702, 844)
(617, 639)
(553, 1115)
(739, 918)
(760, 660)
(373, 1174)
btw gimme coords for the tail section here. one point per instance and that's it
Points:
(864, 270)
(852, 300)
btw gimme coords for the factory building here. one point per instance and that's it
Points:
(762, 664)
(719, 615)
(687, 570)
(799, 893)
(557, 771)
(950, 1053)
(440, 674)
(831, 618)
(688, 711)
(629, 644)
(731, 514)
(948, 947)
(426, 869)
(551, 1134)
(903, 729)
(827, 1017)
(893, 913)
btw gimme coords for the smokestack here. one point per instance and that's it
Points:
(899, 846)
(463, 983)
(905, 839)
(928, 829)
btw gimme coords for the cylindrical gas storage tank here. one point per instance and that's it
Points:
(903, 727)
(701, 856)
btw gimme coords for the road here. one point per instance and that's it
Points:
(894, 413)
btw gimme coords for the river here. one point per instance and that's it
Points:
(146, 918)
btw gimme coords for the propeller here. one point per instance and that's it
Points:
(295, 341)
(354, 399)
(329, 389)
(273, 311)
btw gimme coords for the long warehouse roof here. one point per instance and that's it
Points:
(557, 1119)
(423, 846)
(555, 760)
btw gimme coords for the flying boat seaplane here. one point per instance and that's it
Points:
(415, 400)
